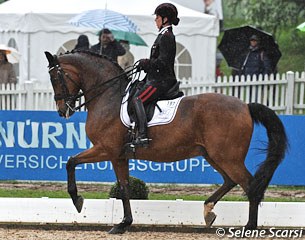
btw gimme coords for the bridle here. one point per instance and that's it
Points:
(69, 98)
(65, 94)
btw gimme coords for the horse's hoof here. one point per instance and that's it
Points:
(118, 229)
(210, 218)
(79, 203)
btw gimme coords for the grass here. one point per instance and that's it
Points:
(37, 193)
(30, 193)
(154, 196)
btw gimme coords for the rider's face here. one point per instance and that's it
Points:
(158, 21)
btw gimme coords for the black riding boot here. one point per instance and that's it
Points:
(142, 139)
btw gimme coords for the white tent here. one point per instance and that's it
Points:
(199, 5)
(36, 26)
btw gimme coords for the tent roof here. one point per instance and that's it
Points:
(34, 16)
(130, 7)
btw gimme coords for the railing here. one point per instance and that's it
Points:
(283, 93)
(27, 96)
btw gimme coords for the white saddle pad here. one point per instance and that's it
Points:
(165, 116)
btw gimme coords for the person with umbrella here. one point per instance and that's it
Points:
(7, 73)
(249, 46)
(256, 60)
(108, 45)
(159, 67)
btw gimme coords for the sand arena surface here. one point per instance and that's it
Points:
(35, 234)
(48, 232)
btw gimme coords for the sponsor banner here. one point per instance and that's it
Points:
(36, 145)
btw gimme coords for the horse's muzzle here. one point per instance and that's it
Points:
(67, 111)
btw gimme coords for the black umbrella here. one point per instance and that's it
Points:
(235, 44)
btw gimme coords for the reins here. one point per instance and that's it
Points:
(80, 94)
(68, 98)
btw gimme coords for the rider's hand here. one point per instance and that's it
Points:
(143, 65)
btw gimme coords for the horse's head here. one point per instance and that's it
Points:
(66, 85)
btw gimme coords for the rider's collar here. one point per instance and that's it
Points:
(164, 29)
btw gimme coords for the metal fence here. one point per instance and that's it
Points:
(283, 93)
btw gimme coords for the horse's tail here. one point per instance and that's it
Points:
(276, 150)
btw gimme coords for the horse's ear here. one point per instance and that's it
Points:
(51, 58)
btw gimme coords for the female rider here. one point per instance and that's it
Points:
(159, 67)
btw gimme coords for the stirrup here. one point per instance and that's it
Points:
(141, 142)
(138, 142)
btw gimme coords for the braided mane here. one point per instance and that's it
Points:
(91, 53)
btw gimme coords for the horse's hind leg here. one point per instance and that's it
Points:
(254, 201)
(72, 189)
(253, 213)
(122, 172)
(243, 177)
(209, 215)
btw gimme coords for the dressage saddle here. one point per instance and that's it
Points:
(172, 93)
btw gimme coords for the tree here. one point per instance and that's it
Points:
(272, 16)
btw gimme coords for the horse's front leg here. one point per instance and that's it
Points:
(89, 156)
(72, 188)
(122, 173)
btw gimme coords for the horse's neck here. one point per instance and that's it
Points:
(106, 96)
(99, 83)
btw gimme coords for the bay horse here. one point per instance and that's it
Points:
(215, 126)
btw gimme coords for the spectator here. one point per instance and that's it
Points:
(214, 7)
(210, 8)
(127, 60)
(219, 73)
(256, 61)
(108, 45)
(7, 73)
(82, 43)
(219, 58)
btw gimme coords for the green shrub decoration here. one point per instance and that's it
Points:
(137, 189)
